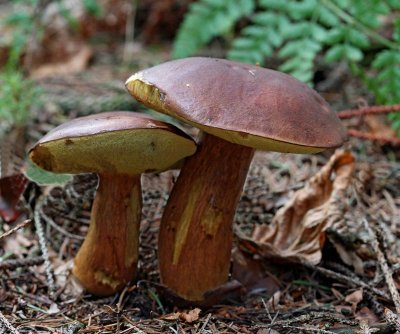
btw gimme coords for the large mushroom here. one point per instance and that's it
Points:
(118, 146)
(240, 108)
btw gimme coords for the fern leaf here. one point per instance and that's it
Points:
(258, 41)
(207, 19)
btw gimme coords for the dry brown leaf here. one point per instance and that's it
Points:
(171, 316)
(349, 257)
(74, 63)
(273, 302)
(192, 315)
(366, 315)
(64, 278)
(377, 126)
(188, 316)
(251, 274)
(354, 298)
(297, 232)
(267, 331)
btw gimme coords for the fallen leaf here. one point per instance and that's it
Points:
(273, 302)
(189, 316)
(75, 62)
(378, 127)
(354, 298)
(192, 315)
(17, 244)
(366, 315)
(252, 274)
(12, 181)
(171, 316)
(65, 280)
(348, 256)
(297, 232)
(267, 331)
(11, 189)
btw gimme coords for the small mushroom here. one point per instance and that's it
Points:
(118, 146)
(240, 108)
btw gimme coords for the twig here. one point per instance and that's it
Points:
(309, 329)
(6, 325)
(370, 136)
(365, 329)
(203, 327)
(384, 266)
(393, 319)
(378, 278)
(368, 110)
(53, 224)
(306, 318)
(14, 264)
(43, 247)
(374, 304)
(16, 228)
(354, 282)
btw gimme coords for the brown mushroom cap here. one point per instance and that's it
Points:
(241, 103)
(112, 143)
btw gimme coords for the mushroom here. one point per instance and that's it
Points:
(239, 108)
(118, 146)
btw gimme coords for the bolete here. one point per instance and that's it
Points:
(118, 146)
(239, 108)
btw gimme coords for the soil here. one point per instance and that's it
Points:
(334, 296)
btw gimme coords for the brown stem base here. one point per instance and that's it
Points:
(107, 260)
(196, 230)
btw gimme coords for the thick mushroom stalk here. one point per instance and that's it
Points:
(196, 230)
(119, 147)
(107, 259)
(239, 103)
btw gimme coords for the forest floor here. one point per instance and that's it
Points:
(336, 279)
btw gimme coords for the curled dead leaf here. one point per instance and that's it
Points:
(354, 298)
(297, 232)
(188, 316)
(192, 315)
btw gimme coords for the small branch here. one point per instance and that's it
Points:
(368, 110)
(14, 264)
(366, 135)
(43, 246)
(306, 318)
(384, 266)
(5, 324)
(393, 319)
(16, 228)
(353, 282)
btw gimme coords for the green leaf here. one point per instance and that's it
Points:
(382, 59)
(326, 16)
(93, 7)
(335, 53)
(335, 36)
(205, 20)
(357, 38)
(352, 53)
(42, 177)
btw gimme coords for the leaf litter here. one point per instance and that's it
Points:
(326, 278)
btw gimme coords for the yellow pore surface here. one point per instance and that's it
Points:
(120, 152)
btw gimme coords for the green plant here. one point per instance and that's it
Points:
(17, 96)
(299, 31)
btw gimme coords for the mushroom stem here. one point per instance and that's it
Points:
(195, 238)
(108, 257)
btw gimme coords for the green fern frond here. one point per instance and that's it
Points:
(297, 31)
(207, 19)
(260, 39)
